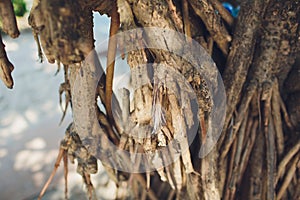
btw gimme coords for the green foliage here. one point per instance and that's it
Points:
(19, 7)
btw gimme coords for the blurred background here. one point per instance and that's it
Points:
(29, 120)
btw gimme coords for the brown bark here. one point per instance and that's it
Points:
(9, 26)
(257, 156)
(8, 19)
(5, 67)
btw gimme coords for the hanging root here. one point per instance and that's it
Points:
(65, 160)
(251, 89)
(212, 21)
(287, 158)
(256, 169)
(7, 15)
(247, 150)
(6, 67)
(289, 176)
(277, 121)
(111, 54)
(234, 173)
(238, 62)
(264, 145)
(37, 41)
(87, 181)
(223, 12)
(176, 20)
(143, 183)
(65, 87)
(186, 20)
(61, 154)
(268, 104)
(9, 26)
(270, 140)
(285, 114)
(72, 147)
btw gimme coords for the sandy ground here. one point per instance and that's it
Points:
(29, 130)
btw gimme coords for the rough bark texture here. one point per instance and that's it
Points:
(258, 153)
(9, 26)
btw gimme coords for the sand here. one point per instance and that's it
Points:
(29, 125)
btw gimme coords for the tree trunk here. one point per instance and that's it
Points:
(194, 129)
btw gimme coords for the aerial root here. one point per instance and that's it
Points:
(65, 88)
(285, 114)
(57, 163)
(289, 176)
(66, 170)
(223, 12)
(240, 143)
(245, 102)
(287, 158)
(111, 54)
(176, 20)
(6, 67)
(8, 19)
(207, 13)
(186, 20)
(90, 188)
(277, 119)
(234, 171)
(268, 130)
(248, 149)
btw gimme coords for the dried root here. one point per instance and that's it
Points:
(65, 88)
(71, 146)
(158, 120)
(206, 12)
(8, 19)
(9, 26)
(111, 54)
(223, 12)
(170, 107)
(262, 98)
(6, 67)
(63, 33)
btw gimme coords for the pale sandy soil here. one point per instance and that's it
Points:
(29, 130)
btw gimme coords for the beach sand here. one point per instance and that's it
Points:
(29, 125)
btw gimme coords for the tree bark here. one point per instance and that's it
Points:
(257, 154)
